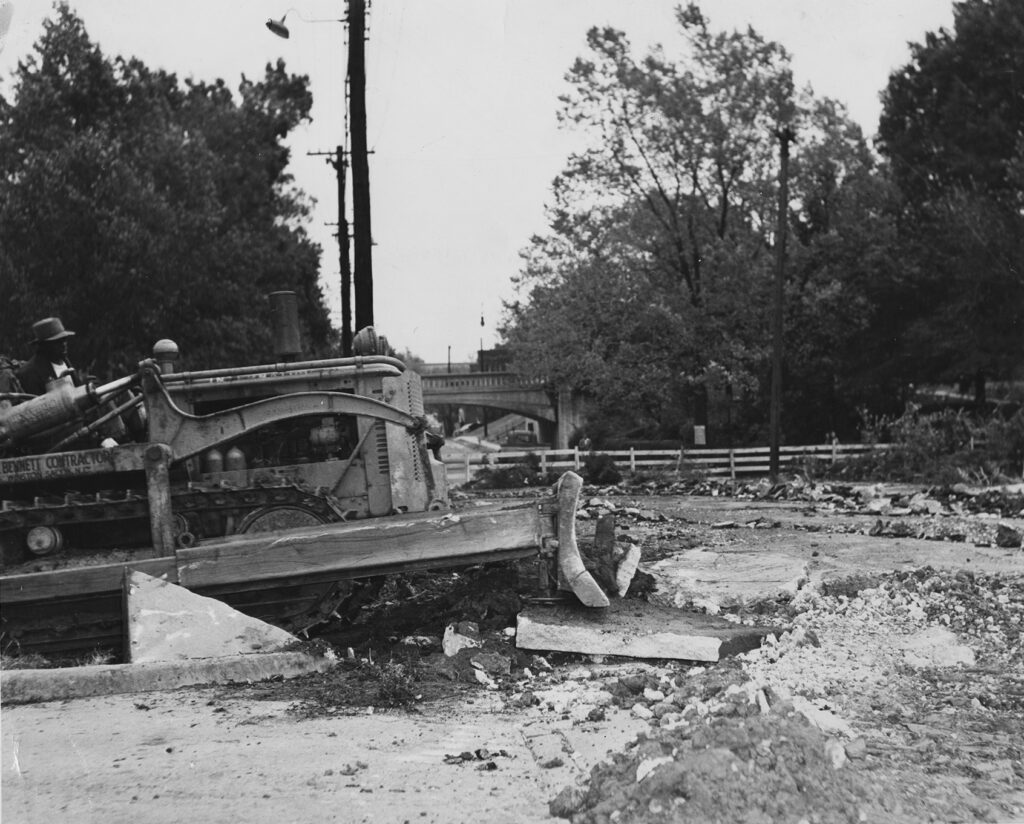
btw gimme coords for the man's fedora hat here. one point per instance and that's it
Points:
(50, 329)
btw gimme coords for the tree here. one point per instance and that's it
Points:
(953, 117)
(844, 265)
(649, 292)
(953, 131)
(139, 208)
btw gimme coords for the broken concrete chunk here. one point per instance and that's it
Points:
(167, 622)
(627, 570)
(828, 722)
(878, 506)
(634, 629)
(856, 748)
(483, 678)
(649, 765)
(567, 802)
(835, 752)
(1007, 537)
(642, 711)
(601, 557)
(421, 641)
(701, 579)
(460, 636)
(936, 647)
(492, 662)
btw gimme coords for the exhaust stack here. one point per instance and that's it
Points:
(284, 324)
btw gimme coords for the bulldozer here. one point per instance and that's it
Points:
(287, 489)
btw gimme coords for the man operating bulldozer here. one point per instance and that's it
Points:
(50, 360)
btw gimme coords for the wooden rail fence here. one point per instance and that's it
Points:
(713, 462)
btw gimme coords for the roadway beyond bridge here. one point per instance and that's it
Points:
(559, 411)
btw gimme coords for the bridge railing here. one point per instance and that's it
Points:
(475, 380)
(730, 463)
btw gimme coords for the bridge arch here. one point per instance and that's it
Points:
(506, 391)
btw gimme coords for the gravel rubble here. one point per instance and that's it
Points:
(898, 699)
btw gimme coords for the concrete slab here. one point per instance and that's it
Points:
(167, 622)
(36, 685)
(714, 581)
(634, 629)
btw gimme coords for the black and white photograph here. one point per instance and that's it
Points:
(512, 411)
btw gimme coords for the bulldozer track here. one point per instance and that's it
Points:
(80, 625)
(110, 506)
(80, 628)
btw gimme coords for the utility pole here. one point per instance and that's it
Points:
(340, 164)
(360, 163)
(785, 136)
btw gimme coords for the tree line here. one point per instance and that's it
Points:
(136, 207)
(650, 292)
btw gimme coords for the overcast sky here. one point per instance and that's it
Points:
(462, 96)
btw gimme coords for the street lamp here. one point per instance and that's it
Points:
(278, 27)
(281, 30)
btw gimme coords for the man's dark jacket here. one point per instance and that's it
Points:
(36, 371)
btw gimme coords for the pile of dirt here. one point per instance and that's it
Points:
(896, 697)
(395, 654)
(986, 609)
(736, 766)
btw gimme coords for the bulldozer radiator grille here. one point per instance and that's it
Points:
(381, 436)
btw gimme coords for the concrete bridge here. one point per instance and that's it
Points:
(558, 413)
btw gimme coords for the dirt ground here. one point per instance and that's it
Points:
(859, 712)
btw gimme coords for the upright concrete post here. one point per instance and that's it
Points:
(570, 417)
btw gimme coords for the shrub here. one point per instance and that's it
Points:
(942, 447)
(600, 469)
(396, 683)
(511, 476)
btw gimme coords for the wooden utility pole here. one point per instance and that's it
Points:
(340, 164)
(786, 136)
(360, 163)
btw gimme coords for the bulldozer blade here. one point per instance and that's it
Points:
(573, 575)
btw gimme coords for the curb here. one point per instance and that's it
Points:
(37, 685)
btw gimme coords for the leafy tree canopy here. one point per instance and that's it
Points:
(953, 131)
(137, 207)
(954, 115)
(651, 288)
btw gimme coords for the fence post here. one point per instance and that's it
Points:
(679, 460)
(732, 463)
(467, 469)
(632, 459)
(576, 458)
(835, 451)
(543, 462)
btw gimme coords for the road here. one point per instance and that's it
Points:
(198, 755)
(220, 755)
